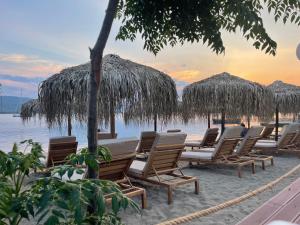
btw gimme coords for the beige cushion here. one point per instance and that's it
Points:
(137, 166)
(62, 139)
(169, 139)
(120, 147)
(192, 144)
(197, 155)
(147, 134)
(265, 145)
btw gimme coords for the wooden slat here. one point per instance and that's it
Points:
(284, 206)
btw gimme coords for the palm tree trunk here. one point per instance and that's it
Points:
(96, 55)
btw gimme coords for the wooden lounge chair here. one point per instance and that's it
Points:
(161, 167)
(268, 130)
(146, 141)
(123, 152)
(282, 145)
(59, 149)
(244, 150)
(208, 140)
(222, 154)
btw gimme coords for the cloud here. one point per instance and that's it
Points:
(28, 65)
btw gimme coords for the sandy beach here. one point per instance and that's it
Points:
(217, 186)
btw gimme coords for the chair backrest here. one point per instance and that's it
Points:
(174, 131)
(288, 135)
(123, 152)
(249, 140)
(267, 131)
(59, 149)
(165, 153)
(210, 137)
(227, 143)
(106, 135)
(146, 141)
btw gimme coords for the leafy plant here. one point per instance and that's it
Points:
(15, 198)
(57, 199)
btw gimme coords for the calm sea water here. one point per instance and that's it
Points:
(12, 129)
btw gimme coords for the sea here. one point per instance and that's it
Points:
(14, 130)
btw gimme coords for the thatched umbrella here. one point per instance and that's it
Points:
(139, 92)
(286, 98)
(226, 94)
(30, 109)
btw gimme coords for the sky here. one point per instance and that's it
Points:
(40, 38)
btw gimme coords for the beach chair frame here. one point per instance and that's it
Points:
(209, 139)
(163, 161)
(58, 152)
(245, 153)
(267, 131)
(116, 170)
(225, 156)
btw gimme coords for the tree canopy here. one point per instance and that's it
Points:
(177, 21)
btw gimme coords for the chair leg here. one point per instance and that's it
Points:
(170, 197)
(272, 162)
(144, 200)
(253, 167)
(239, 171)
(263, 165)
(196, 187)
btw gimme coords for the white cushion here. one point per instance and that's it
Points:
(193, 143)
(137, 166)
(265, 145)
(266, 141)
(206, 149)
(197, 155)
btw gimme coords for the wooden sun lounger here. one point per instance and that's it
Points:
(208, 140)
(268, 130)
(146, 141)
(59, 149)
(284, 206)
(284, 144)
(222, 154)
(123, 153)
(244, 150)
(161, 167)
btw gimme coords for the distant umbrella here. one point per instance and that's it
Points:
(30, 109)
(139, 92)
(286, 98)
(226, 94)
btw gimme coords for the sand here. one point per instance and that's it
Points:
(217, 186)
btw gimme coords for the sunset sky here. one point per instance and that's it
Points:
(39, 38)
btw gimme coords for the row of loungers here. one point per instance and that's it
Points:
(162, 151)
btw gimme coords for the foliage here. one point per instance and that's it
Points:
(16, 203)
(169, 22)
(57, 199)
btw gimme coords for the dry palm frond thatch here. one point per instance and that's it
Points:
(137, 91)
(29, 109)
(286, 97)
(225, 93)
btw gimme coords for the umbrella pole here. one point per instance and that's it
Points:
(222, 122)
(248, 120)
(112, 121)
(155, 123)
(208, 120)
(276, 123)
(69, 124)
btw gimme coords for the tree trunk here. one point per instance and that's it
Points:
(112, 120)
(96, 55)
(223, 122)
(208, 120)
(276, 123)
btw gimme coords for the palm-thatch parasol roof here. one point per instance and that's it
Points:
(137, 91)
(226, 94)
(286, 97)
(30, 109)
